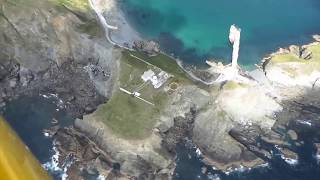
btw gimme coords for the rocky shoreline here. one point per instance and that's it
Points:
(82, 69)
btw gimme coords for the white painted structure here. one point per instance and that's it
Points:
(147, 75)
(156, 80)
(230, 71)
(137, 95)
(234, 38)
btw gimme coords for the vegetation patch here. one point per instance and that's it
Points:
(166, 63)
(283, 58)
(125, 114)
(295, 65)
(231, 85)
(80, 5)
(290, 57)
(90, 27)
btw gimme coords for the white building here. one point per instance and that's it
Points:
(147, 75)
(156, 80)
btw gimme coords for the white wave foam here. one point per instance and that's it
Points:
(290, 161)
(214, 177)
(101, 177)
(305, 122)
(198, 152)
(58, 101)
(53, 165)
(45, 96)
(263, 165)
(318, 158)
(46, 134)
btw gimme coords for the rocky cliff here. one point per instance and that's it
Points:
(45, 47)
(59, 47)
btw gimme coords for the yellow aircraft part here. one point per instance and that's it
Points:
(16, 160)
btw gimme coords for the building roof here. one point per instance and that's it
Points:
(147, 75)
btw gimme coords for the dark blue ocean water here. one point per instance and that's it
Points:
(30, 115)
(189, 167)
(195, 30)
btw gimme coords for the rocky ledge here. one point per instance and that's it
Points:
(64, 52)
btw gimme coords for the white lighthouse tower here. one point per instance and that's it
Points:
(234, 38)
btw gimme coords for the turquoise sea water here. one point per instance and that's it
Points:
(197, 29)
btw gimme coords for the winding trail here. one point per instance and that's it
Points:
(107, 27)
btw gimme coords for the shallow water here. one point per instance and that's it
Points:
(194, 30)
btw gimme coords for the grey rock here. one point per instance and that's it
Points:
(293, 135)
(43, 51)
(210, 133)
(306, 55)
(13, 83)
(295, 50)
(150, 47)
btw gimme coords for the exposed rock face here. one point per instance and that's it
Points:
(85, 154)
(296, 50)
(141, 159)
(149, 47)
(44, 50)
(305, 54)
(181, 129)
(249, 137)
(218, 147)
(294, 66)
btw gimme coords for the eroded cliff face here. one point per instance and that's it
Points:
(58, 47)
(294, 66)
(246, 120)
(45, 47)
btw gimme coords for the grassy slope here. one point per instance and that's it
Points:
(301, 65)
(166, 63)
(80, 5)
(82, 10)
(129, 117)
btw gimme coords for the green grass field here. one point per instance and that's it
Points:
(127, 116)
(302, 66)
(81, 5)
(289, 57)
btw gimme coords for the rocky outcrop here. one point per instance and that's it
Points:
(182, 128)
(140, 159)
(151, 48)
(85, 155)
(45, 49)
(294, 66)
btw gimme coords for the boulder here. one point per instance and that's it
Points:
(293, 135)
(305, 54)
